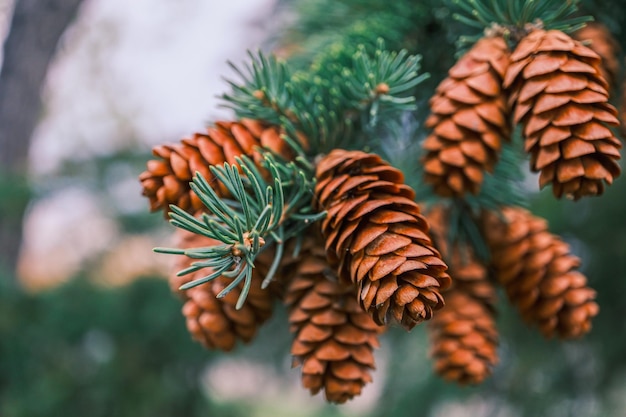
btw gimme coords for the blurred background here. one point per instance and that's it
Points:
(87, 323)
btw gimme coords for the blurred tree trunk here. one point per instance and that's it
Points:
(36, 28)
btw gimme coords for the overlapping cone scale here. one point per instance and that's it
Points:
(560, 97)
(470, 119)
(375, 235)
(166, 179)
(334, 338)
(538, 273)
(215, 322)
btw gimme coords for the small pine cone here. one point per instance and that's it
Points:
(470, 118)
(600, 40)
(464, 339)
(334, 337)
(561, 98)
(216, 323)
(377, 237)
(539, 273)
(463, 336)
(166, 181)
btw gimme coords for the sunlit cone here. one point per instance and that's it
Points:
(166, 180)
(539, 273)
(215, 322)
(599, 39)
(334, 337)
(470, 119)
(463, 335)
(561, 99)
(378, 239)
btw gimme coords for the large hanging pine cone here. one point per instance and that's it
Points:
(334, 337)
(216, 323)
(539, 273)
(166, 181)
(463, 336)
(470, 118)
(599, 39)
(376, 235)
(561, 98)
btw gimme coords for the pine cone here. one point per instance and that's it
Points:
(463, 336)
(561, 98)
(216, 323)
(378, 239)
(539, 273)
(470, 118)
(600, 40)
(166, 181)
(334, 337)
(464, 339)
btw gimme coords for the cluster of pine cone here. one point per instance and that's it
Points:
(552, 85)
(374, 260)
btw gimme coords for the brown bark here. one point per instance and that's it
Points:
(36, 28)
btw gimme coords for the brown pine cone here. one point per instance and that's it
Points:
(599, 39)
(470, 118)
(464, 339)
(334, 337)
(561, 98)
(463, 336)
(166, 181)
(216, 323)
(377, 237)
(539, 273)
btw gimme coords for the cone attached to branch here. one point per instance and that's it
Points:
(334, 337)
(377, 237)
(463, 336)
(215, 322)
(539, 273)
(470, 119)
(561, 98)
(166, 180)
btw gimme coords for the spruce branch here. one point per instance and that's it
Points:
(514, 19)
(261, 212)
(381, 83)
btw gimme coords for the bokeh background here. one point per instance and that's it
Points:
(87, 324)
